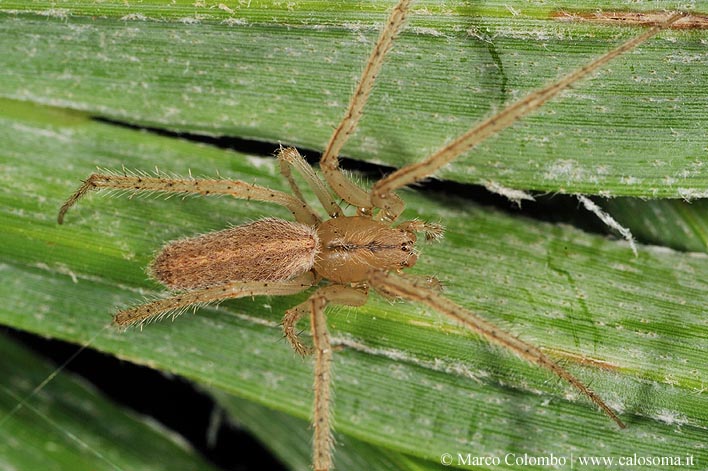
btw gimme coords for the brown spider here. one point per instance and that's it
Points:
(342, 256)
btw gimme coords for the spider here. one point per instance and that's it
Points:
(344, 256)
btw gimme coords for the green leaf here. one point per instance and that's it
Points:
(69, 425)
(290, 439)
(407, 380)
(278, 71)
(681, 225)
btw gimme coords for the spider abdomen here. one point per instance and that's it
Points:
(268, 249)
(351, 246)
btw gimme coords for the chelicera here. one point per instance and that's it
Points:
(342, 257)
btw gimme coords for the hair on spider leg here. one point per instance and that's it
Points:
(168, 313)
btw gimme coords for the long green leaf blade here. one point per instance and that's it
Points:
(278, 72)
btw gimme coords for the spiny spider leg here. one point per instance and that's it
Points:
(431, 230)
(199, 297)
(329, 163)
(238, 189)
(322, 350)
(382, 195)
(396, 285)
(289, 157)
(290, 320)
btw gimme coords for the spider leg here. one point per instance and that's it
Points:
(394, 285)
(329, 162)
(290, 320)
(236, 289)
(432, 231)
(289, 157)
(322, 350)
(236, 188)
(382, 195)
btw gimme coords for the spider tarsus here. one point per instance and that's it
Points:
(434, 234)
(126, 318)
(87, 185)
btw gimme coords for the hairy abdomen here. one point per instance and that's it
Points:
(269, 249)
